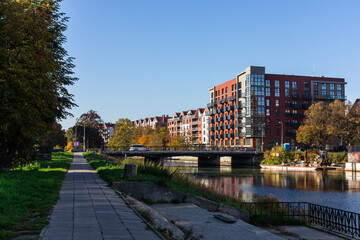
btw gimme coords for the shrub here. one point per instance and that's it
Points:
(277, 155)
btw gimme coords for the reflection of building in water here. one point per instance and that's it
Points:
(229, 185)
(353, 180)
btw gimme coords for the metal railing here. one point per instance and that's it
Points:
(333, 219)
(185, 148)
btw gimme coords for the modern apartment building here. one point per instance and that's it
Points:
(258, 109)
(192, 123)
(152, 122)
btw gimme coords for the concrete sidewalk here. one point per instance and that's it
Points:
(88, 209)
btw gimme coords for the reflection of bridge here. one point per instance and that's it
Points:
(205, 158)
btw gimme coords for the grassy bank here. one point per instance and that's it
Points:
(113, 171)
(27, 194)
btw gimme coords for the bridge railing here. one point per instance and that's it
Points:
(182, 148)
(333, 219)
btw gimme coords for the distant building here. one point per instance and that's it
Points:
(256, 106)
(106, 130)
(192, 123)
(152, 122)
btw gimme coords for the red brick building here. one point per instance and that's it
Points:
(257, 109)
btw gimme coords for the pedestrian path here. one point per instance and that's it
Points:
(88, 209)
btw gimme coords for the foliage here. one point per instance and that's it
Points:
(69, 146)
(330, 124)
(53, 137)
(34, 72)
(29, 191)
(277, 156)
(178, 141)
(126, 134)
(123, 134)
(91, 118)
(70, 134)
(338, 157)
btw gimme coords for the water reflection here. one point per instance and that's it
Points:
(331, 188)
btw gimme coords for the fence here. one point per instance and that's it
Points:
(333, 219)
(183, 148)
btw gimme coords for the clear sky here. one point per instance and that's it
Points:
(137, 59)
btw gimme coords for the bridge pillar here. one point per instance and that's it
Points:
(155, 159)
(208, 161)
(252, 160)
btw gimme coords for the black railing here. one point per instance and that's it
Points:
(333, 219)
(186, 148)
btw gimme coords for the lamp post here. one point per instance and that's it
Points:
(76, 128)
(282, 132)
(84, 138)
(262, 136)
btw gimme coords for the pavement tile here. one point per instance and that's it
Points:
(118, 237)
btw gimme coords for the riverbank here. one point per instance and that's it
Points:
(299, 168)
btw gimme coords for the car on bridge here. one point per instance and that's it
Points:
(139, 148)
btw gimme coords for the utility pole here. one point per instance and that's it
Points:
(262, 136)
(282, 132)
(76, 129)
(84, 139)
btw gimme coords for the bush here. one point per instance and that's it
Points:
(277, 156)
(338, 157)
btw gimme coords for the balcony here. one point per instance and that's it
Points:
(195, 122)
(195, 129)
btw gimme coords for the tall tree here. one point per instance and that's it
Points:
(91, 118)
(53, 137)
(34, 72)
(123, 135)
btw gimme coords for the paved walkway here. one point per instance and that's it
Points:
(88, 209)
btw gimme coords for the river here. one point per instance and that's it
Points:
(338, 189)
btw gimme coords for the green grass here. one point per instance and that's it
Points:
(112, 171)
(27, 194)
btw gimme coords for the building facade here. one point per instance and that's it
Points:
(106, 130)
(153, 122)
(194, 124)
(260, 110)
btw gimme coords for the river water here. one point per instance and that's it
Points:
(338, 189)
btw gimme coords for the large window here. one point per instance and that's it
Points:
(267, 83)
(277, 83)
(306, 84)
(257, 90)
(332, 86)
(287, 84)
(287, 92)
(294, 84)
(277, 92)
(267, 92)
(323, 86)
(268, 102)
(277, 102)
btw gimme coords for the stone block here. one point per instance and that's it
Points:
(235, 212)
(202, 202)
(130, 171)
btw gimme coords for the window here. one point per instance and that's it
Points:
(277, 103)
(267, 92)
(287, 92)
(267, 83)
(323, 86)
(268, 132)
(257, 90)
(277, 112)
(277, 122)
(287, 111)
(226, 90)
(222, 91)
(338, 86)
(267, 112)
(277, 83)
(294, 111)
(277, 92)
(294, 84)
(306, 84)
(268, 102)
(315, 84)
(287, 84)
(332, 86)
(277, 132)
(232, 87)
(268, 122)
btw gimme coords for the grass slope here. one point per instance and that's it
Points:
(27, 194)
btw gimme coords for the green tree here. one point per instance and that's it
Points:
(34, 72)
(53, 137)
(91, 118)
(313, 130)
(123, 135)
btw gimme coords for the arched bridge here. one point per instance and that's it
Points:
(205, 158)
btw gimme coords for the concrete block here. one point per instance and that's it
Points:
(202, 202)
(235, 212)
(130, 171)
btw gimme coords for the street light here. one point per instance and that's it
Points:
(282, 132)
(76, 128)
(262, 136)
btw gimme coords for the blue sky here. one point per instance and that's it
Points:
(137, 59)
